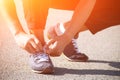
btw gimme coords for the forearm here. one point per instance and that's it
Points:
(81, 14)
(9, 13)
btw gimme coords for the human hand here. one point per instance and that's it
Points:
(56, 45)
(28, 42)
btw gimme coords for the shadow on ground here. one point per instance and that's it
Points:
(111, 63)
(62, 71)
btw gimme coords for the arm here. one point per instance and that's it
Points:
(24, 40)
(80, 16)
(9, 12)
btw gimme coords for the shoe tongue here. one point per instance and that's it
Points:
(41, 57)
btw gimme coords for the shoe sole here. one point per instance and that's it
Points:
(75, 60)
(46, 71)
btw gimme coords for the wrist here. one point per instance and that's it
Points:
(69, 34)
(18, 33)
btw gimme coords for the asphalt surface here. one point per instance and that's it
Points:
(102, 48)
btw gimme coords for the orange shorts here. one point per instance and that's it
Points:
(106, 13)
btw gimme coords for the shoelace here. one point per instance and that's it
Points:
(75, 45)
(42, 56)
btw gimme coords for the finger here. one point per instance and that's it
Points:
(35, 45)
(35, 38)
(48, 45)
(54, 50)
(40, 46)
(50, 42)
(38, 43)
(30, 48)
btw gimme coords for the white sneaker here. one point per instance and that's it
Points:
(41, 63)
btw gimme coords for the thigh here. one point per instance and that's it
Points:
(64, 4)
(36, 12)
(104, 16)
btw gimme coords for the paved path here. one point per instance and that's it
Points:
(102, 48)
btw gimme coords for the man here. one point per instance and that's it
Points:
(87, 12)
(35, 12)
(106, 13)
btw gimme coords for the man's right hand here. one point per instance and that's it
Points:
(28, 42)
